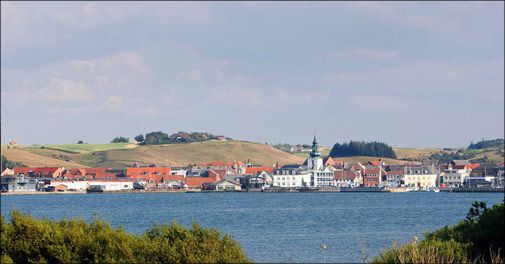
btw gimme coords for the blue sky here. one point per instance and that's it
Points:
(411, 74)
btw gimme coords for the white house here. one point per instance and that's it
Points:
(456, 173)
(420, 176)
(292, 176)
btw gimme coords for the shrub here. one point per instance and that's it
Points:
(27, 240)
(428, 251)
(478, 238)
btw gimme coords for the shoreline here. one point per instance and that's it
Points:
(248, 191)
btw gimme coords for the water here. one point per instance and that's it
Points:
(273, 227)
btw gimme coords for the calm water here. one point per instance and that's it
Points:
(273, 227)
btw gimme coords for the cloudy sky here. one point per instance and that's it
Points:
(411, 74)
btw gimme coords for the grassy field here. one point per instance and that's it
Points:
(184, 154)
(365, 159)
(122, 155)
(83, 148)
(28, 158)
(416, 153)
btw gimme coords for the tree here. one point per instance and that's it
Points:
(360, 148)
(120, 140)
(9, 164)
(80, 142)
(156, 138)
(139, 138)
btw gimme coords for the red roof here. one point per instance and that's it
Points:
(473, 166)
(344, 175)
(197, 182)
(41, 171)
(375, 162)
(158, 178)
(221, 163)
(136, 172)
(256, 170)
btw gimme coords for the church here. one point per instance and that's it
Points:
(312, 173)
(320, 176)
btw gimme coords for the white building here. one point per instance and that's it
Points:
(421, 176)
(292, 176)
(312, 174)
(104, 185)
(456, 173)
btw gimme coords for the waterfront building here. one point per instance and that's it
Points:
(321, 175)
(490, 172)
(373, 176)
(151, 175)
(18, 184)
(313, 173)
(292, 176)
(456, 173)
(420, 176)
(395, 178)
(222, 185)
(347, 178)
(40, 172)
(261, 180)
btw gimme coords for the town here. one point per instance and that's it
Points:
(317, 173)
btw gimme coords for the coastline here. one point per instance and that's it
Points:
(246, 191)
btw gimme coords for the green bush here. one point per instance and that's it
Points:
(428, 251)
(28, 240)
(478, 238)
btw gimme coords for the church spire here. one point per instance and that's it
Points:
(314, 153)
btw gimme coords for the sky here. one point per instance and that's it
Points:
(410, 74)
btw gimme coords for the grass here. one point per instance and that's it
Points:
(83, 148)
(122, 155)
(184, 154)
(416, 153)
(365, 159)
(28, 158)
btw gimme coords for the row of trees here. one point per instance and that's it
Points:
(158, 137)
(361, 148)
(484, 144)
(29, 240)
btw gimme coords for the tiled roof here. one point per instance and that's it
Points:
(344, 175)
(197, 182)
(256, 170)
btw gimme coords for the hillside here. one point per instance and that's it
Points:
(365, 159)
(171, 154)
(416, 153)
(34, 160)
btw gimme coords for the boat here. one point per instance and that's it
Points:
(434, 190)
(397, 189)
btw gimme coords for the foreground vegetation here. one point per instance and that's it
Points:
(29, 240)
(477, 239)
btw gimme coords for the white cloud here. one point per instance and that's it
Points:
(93, 82)
(63, 90)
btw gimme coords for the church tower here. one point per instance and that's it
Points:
(314, 161)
